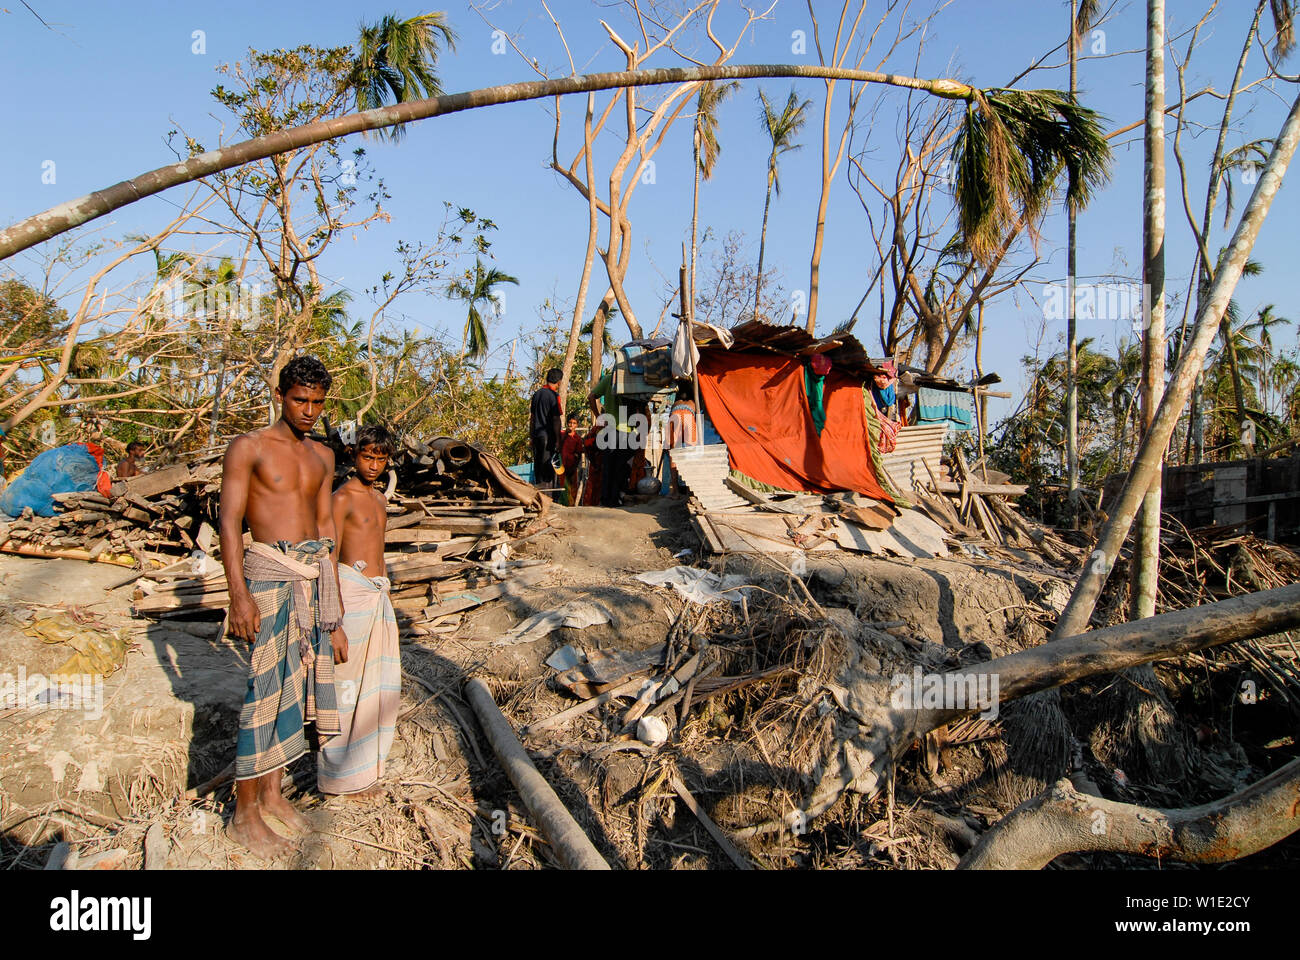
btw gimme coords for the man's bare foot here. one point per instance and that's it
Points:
(370, 793)
(275, 807)
(252, 833)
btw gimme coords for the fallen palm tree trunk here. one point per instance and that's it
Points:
(573, 847)
(1063, 820)
(862, 760)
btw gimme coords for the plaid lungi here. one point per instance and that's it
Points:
(369, 687)
(291, 670)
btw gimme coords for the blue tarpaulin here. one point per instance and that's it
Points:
(67, 469)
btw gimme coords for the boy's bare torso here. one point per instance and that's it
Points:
(284, 487)
(361, 515)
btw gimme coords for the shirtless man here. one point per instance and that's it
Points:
(130, 467)
(278, 481)
(370, 683)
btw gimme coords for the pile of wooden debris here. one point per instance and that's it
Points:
(146, 520)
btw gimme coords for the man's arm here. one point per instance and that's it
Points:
(236, 475)
(597, 395)
(326, 530)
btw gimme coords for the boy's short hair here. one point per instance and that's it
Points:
(573, 418)
(376, 435)
(554, 375)
(135, 445)
(304, 371)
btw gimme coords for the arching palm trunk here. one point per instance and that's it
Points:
(65, 216)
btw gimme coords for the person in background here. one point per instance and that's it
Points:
(130, 467)
(544, 417)
(883, 392)
(591, 493)
(683, 429)
(571, 457)
(815, 383)
(885, 400)
(618, 444)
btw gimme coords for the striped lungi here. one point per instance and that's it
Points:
(291, 670)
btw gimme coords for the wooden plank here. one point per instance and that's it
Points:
(422, 567)
(462, 524)
(417, 535)
(984, 489)
(152, 484)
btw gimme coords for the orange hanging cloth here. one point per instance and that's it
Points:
(759, 407)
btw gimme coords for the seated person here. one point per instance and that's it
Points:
(130, 467)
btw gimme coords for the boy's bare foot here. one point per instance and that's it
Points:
(275, 807)
(252, 833)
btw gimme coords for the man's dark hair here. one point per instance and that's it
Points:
(135, 445)
(304, 371)
(376, 435)
(554, 375)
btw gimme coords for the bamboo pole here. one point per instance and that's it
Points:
(573, 847)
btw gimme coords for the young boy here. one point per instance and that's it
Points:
(284, 599)
(571, 456)
(370, 682)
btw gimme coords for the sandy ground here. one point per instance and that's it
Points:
(169, 718)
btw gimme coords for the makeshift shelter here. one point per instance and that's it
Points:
(759, 406)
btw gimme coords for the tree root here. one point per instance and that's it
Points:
(1063, 820)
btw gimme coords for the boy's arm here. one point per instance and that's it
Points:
(236, 475)
(325, 529)
(340, 507)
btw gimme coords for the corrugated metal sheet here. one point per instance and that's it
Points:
(916, 446)
(704, 470)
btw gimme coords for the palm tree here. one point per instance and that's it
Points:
(706, 150)
(1146, 543)
(1261, 331)
(395, 62)
(1027, 130)
(781, 129)
(475, 288)
(1082, 16)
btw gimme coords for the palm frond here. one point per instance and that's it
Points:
(396, 61)
(476, 341)
(1085, 15)
(1010, 152)
(781, 129)
(1284, 22)
(712, 94)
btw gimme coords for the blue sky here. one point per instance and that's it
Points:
(98, 93)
